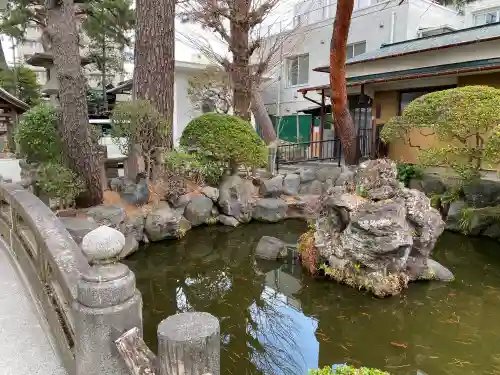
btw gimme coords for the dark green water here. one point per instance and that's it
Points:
(277, 320)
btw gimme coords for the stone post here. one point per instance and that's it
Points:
(108, 304)
(103, 155)
(189, 344)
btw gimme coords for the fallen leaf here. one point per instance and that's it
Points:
(399, 345)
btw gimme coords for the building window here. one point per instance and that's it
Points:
(484, 18)
(356, 49)
(406, 97)
(358, 4)
(297, 70)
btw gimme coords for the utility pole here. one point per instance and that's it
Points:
(14, 66)
(103, 67)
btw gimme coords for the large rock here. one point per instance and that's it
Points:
(131, 246)
(307, 174)
(164, 223)
(373, 174)
(112, 216)
(270, 210)
(325, 173)
(482, 193)
(236, 198)
(211, 192)
(492, 231)
(78, 227)
(314, 187)
(291, 184)
(134, 226)
(429, 184)
(378, 236)
(454, 215)
(272, 187)
(199, 210)
(271, 248)
(346, 177)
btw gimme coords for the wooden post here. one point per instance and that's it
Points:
(189, 344)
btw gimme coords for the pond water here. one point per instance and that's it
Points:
(277, 320)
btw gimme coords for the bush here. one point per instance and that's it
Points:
(462, 119)
(59, 182)
(408, 171)
(140, 123)
(228, 139)
(37, 136)
(197, 167)
(346, 370)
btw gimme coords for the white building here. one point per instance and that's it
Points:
(184, 110)
(373, 24)
(19, 53)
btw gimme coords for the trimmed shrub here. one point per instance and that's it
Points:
(59, 182)
(462, 119)
(226, 138)
(37, 136)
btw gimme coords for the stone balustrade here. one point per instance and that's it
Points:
(90, 300)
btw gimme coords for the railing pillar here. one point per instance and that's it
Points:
(108, 304)
(189, 344)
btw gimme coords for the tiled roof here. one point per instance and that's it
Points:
(475, 34)
(14, 101)
(430, 71)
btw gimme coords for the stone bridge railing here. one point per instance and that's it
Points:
(91, 303)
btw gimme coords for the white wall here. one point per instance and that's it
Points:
(478, 6)
(371, 24)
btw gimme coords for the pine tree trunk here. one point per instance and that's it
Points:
(3, 61)
(344, 126)
(81, 154)
(240, 66)
(155, 55)
(262, 117)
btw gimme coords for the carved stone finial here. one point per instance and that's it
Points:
(102, 244)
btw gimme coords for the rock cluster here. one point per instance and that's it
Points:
(376, 234)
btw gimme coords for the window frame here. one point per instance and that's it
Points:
(288, 70)
(484, 13)
(353, 46)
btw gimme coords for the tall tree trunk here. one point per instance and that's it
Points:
(344, 126)
(262, 117)
(155, 55)
(81, 154)
(240, 69)
(3, 61)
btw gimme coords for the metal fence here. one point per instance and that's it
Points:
(292, 153)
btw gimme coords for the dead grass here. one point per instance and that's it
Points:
(308, 252)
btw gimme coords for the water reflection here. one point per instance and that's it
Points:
(276, 320)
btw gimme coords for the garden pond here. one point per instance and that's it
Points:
(275, 319)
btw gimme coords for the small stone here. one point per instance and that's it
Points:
(272, 187)
(228, 221)
(211, 192)
(271, 248)
(103, 243)
(307, 174)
